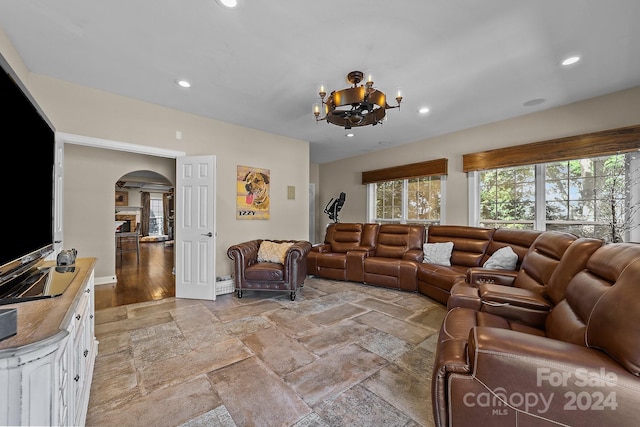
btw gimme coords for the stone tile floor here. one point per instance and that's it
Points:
(341, 354)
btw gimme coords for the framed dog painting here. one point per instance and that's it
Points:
(252, 201)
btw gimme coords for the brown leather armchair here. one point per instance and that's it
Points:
(251, 274)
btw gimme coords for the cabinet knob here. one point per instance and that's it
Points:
(76, 378)
(85, 353)
(88, 290)
(78, 317)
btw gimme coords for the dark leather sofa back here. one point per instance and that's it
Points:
(519, 240)
(343, 237)
(469, 243)
(542, 259)
(591, 288)
(573, 261)
(396, 240)
(614, 325)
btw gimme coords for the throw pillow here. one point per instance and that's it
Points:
(273, 252)
(438, 253)
(502, 259)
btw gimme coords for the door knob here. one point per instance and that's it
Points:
(209, 234)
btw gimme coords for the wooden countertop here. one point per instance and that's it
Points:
(41, 319)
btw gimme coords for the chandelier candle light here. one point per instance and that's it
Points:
(360, 105)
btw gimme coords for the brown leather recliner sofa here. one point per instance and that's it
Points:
(391, 255)
(340, 256)
(472, 247)
(384, 255)
(580, 366)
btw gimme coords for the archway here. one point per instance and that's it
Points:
(144, 215)
(145, 204)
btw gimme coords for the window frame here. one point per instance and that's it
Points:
(540, 221)
(371, 203)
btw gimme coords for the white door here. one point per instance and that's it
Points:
(195, 231)
(59, 197)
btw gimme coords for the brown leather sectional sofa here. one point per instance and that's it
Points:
(391, 255)
(556, 341)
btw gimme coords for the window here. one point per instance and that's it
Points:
(402, 201)
(590, 197)
(156, 217)
(409, 193)
(507, 197)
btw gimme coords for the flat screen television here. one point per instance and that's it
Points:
(27, 176)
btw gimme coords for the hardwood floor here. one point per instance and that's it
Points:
(149, 280)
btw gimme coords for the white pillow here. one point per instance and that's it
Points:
(438, 253)
(502, 259)
(273, 252)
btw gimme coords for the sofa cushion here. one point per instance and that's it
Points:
(503, 259)
(438, 253)
(469, 243)
(395, 240)
(273, 252)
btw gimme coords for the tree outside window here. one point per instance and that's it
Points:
(414, 200)
(588, 197)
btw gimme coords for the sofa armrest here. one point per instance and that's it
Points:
(322, 248)
(416, 255)
(295, 262)
(243, 255)
(464, 296)
(299, 249)
(572, 384)
(519, 304)
(478, 275)
(368, 250)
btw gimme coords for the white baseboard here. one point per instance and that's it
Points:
(107, 280)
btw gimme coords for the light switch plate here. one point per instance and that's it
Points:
(291, 192)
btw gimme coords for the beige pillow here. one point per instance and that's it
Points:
(273, 252)
(503, 259)
(438, 253)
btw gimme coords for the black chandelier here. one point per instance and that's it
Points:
(359, 105)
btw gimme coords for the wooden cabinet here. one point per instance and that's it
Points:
(47, 367)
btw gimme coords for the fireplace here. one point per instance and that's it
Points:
(130, 222)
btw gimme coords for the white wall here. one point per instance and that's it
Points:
(98, 114)
(90, 173)
(606, 112)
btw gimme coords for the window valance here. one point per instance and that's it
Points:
(413, 170)
(603, 143)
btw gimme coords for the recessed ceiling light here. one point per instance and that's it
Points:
(570, 60)
(349, 134)
(183, 83)
(228, 3)
(423, 110)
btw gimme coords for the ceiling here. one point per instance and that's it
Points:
(471, 62)
(144, 180)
